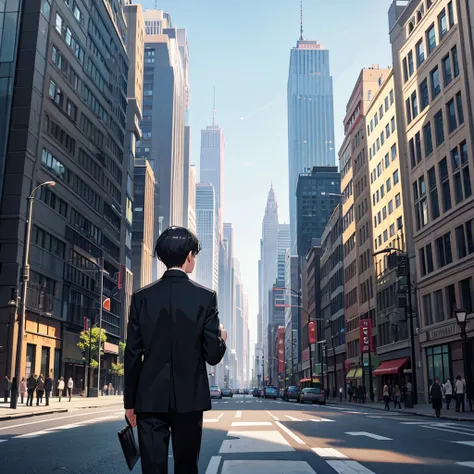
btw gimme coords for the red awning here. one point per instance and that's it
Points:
(390, 366)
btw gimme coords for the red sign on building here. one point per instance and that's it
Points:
(365, 336)
(311, 332)
(281, 350)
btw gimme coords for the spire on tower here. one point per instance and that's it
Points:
(214, 108)
(301, 20)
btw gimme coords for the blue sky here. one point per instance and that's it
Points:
(242, 47)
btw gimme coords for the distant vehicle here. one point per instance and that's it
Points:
(281, 392)
(313, 395)
(255, 392)
(271, 392)
(291, 393)
(227, 392)
(246, 391)
(215, 392)
(237, 391)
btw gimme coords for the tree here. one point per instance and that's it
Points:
(117, 369)
(89, 344)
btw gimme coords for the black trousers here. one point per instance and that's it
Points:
(154, 431)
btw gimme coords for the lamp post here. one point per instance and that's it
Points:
(12, 306)
(461, 318)
(25, 277)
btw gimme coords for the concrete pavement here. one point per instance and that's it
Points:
(77, 402)
(245, 435)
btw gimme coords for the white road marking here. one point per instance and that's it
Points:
(320, 419)
(211, 420)
(413, 422)
(369, 435)
(3, 440)
(466, 464)
(446, 429)
(349, 467)
(251, 423)
(45, 420)
(273, 416)
(290, 433)
(213, 466)
(275, 466)
(238, 414)
(466, 443)
(255, 442)
(292, 418)
(335, 408)
(329, 453)
(220, 416)
(34, 434)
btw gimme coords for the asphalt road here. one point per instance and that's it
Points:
(249, 435)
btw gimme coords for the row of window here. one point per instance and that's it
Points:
(393, 229)
(384, 135)
(59, 134)
(53, 201)
(366, 290)
(350, 271)
(389, 99)
(57, 96)
(48, 242)
(382, 214)
(383, 164)
(69, 38)
(430, 40)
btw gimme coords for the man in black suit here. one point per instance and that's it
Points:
(173, 330)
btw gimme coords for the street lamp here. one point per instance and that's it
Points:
(461, 318)
(25, 276)
(12, 306)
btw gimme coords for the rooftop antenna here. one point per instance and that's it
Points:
(214, 108)
(301, 20)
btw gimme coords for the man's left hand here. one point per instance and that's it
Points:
(131, 417)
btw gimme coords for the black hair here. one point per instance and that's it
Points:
(174, 244)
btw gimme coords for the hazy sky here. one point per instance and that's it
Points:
(242, 47)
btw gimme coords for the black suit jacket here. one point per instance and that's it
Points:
(173, 330)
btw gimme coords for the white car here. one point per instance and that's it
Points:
(216, 392)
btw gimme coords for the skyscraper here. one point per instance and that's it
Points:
(212, 163)
(310, 115)
(207, 268)
(192, 199)
(283, 244)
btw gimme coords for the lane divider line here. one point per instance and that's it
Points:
(289, 433)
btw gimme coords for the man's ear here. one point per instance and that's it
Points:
(189, 258)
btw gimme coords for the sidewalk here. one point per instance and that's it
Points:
(423, 409)
(77, 403)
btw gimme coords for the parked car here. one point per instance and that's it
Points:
(261, 392)
(227, 392)
(255, 392)
(313, 395)
(215, 392)
(271, 392)
(246, 391)
(291, 393)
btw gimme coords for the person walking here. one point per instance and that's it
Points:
(397, 397)
(448, 392)
(386, 397)
(48, 387)
(39, 390)
(70, 386)
(31, 387)
(460, 390)
(436, 393)
(7, 386)
(22, 390)
(351, 392)
(341, 393)
(173, 331)
(60, 388)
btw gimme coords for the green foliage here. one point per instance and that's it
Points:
(117, 369)
(91, 341)
(122, 346)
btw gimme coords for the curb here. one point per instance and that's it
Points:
(404, 412)
(50, 412)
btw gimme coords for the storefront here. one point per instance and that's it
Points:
(354, 377)
(391, 372)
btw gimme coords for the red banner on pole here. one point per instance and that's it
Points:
(365, 335)
(311, 332)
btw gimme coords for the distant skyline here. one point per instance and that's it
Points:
(244, 51)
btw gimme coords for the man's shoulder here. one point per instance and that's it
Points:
(159, 284)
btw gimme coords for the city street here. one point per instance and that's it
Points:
(249, 435)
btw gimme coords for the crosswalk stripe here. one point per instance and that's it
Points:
(290, 433)
(329, 453)
(349, 467)
(213, 466)
(292, 418)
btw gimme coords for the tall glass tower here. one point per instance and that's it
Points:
(310, 116)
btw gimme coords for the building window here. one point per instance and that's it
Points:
(392, 230)
(427, 309)
(59, 24)
(389, 184)
(405, 70)
(424, 94)
(461, 176)
(411, 68)
(55, 93)
(447, 71)
(399, 223)
(408, 110)
(427, 139)
(420, 53)
(395, 177)
(411, 147)
(461, 248)
(414, 104)
(386, 104)
(450, 295)
(421, 208)
(442, 25)
(391, 96)
(454, 53)
(465, 169)
(30, 359)
(466, 295)
(429, 258)
(398, 201)
(393, 151)
(431, 39)
(445, 187)
(450, 14)
(439, 127)
(438, 362)
(392, 124)
(435, 85)
(387, 161)
(459, 107)
(451, 112)
(434, 201)
(439, 305)
(443, 250)
(387, 130)
(390, 207)
(45, 361)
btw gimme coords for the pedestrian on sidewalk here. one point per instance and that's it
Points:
(386, 397)
(22, 390)
(110, 389)
(184, 334)
(48, 387)
(397, 397)
(341, 392)
(39, 390)
(7, 386)
(31, 387)
(60, 387)
(351, 392)
(448, 392)
(70, 386)
(436, 393)
(460, 390)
